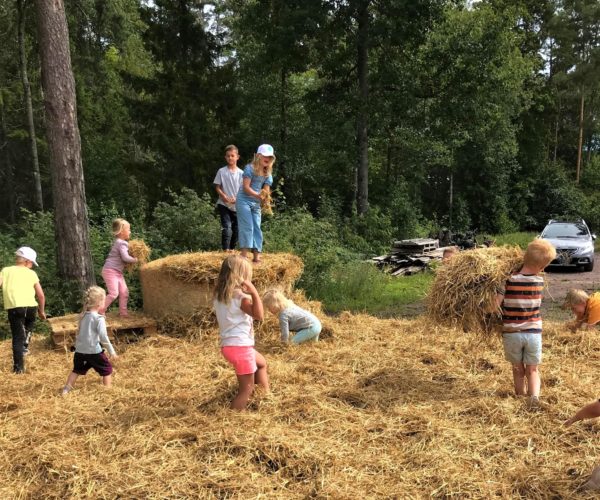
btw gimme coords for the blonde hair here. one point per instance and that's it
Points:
(258, 170)
(234, 270)
(274, 299)
(231, 147)
(94, 296)
(539, 253)
(118, 225)
(575, 297)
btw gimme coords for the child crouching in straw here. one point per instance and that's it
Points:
(237, 304)
(291, 317)
(90, 339)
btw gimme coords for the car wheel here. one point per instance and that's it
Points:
(588, 267)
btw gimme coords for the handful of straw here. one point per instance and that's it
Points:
(139, 250)
(464, 291)
(266, 201)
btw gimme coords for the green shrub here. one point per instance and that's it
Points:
(189, 223)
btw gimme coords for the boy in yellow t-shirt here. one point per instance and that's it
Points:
(20, 287)
(585, 307)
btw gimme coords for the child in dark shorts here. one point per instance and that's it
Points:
(92, 336)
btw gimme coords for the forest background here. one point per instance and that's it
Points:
(390, 119)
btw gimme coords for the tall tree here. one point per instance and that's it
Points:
(71, 219)
(35, 164)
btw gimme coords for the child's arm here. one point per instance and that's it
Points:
(499, 299)
(124, 253)
(284, 326)
(589, 411)
(104, 340)
(222, 195)
(41, 298)
(248, 190)
(252, 307)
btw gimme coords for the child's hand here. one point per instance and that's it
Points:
(114, 356)
(248, 287)
(42, 315)
(570, 422)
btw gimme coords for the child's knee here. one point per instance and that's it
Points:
(518, 369)
(530, 369)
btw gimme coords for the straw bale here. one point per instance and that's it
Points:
(181, 285)
(139, 250)
(464, 291)
(380, 411)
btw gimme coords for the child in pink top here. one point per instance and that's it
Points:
(112, 272)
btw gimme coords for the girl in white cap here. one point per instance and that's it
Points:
(256, 177)
(20, 287)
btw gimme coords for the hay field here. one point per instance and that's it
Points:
(379, 408)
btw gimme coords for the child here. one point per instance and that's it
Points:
(112, 272)
(20, 287)
(256, 178)
(237, 303)
(448, 253)
(228, 182)
(90, 339)
(586, 309)
(521, 319)
(291, 317)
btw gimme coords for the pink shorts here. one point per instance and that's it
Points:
(243, 358)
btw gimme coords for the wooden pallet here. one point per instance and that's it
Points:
(64, 328)
(416, 245)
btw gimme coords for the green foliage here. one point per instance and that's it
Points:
(187, 224)
(520, 239)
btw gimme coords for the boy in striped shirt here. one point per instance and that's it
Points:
(521, 319)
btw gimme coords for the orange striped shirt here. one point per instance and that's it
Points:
(521, 304)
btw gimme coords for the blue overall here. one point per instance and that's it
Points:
(248, 211)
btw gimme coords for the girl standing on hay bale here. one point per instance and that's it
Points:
(112, 272)
(257, 177)
(522, 321)
(291, 317)
(90, 339)
(237, 304)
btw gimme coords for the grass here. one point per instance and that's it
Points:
(520, 239)
(360, 287)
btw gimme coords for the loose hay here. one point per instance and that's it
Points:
(139, 250)
(464, 291)
(381, 412)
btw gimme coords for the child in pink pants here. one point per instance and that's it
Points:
(112, 272)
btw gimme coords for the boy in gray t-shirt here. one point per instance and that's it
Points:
(227, 184)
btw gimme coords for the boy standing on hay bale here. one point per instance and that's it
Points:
(521, 319)
(228, 182)
(586, 309)
(20, 287)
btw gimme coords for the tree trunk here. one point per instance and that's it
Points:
(580, 143)
(8, 168)
(39, 202)
(68, 189)
(362, 177)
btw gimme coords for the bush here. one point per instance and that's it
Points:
(188, 224)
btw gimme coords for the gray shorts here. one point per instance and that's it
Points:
(523, 348)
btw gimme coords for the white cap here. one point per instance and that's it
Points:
(265, 150)
(27, 253)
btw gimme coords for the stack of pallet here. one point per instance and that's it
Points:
(64, 328)
(409, 256)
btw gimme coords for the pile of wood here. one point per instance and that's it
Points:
(410, 256)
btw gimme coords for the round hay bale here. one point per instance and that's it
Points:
(183, 284)
(464, 291)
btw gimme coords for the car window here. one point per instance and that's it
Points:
(565, 231)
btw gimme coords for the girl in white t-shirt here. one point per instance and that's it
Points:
(237, 304)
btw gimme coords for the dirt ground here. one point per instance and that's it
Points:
(559, 281)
